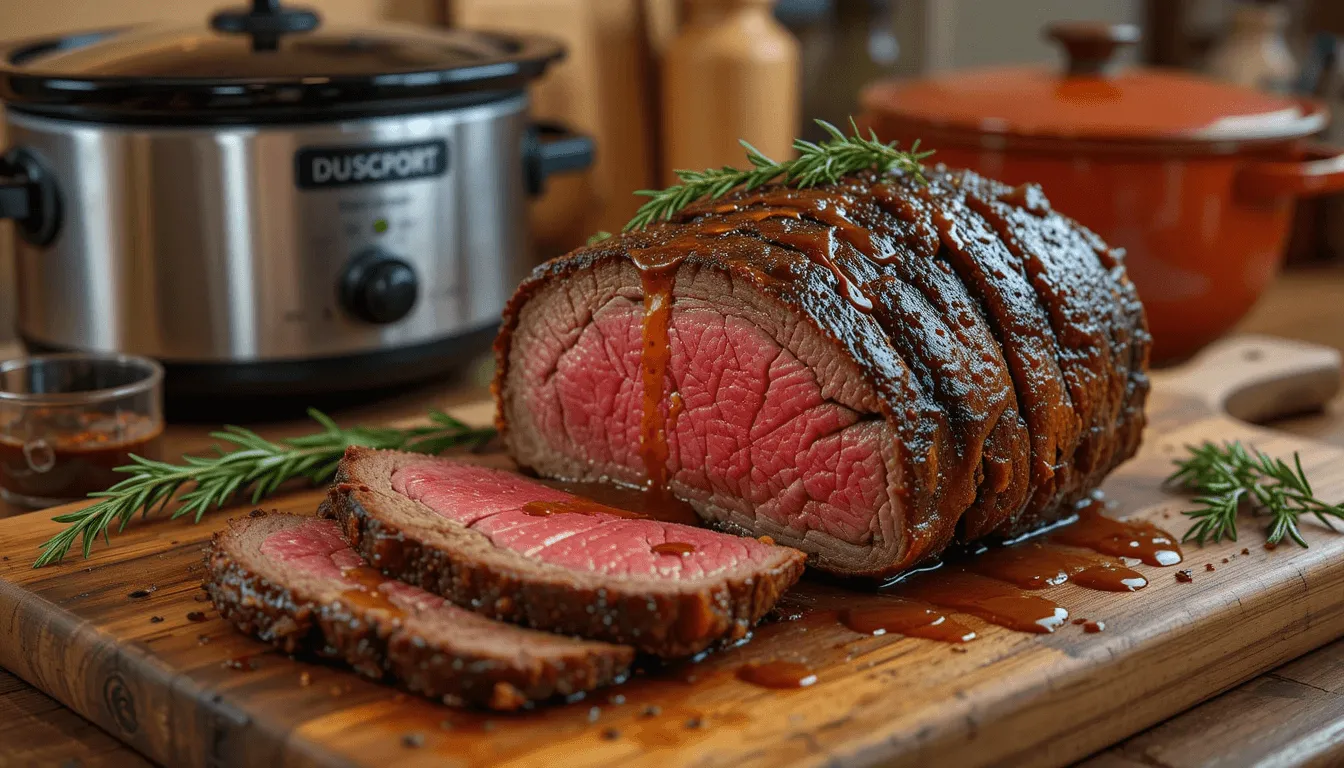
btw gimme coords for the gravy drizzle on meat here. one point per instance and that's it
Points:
(657, 281)
(867, 371)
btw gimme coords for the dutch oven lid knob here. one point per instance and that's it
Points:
(266, 21)
(1090, 46)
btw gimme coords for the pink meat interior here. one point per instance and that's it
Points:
(316, 549)
(491, 501)
(754, 433)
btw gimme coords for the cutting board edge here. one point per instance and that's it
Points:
(80, 647)
(84, 646)
(1280, 642)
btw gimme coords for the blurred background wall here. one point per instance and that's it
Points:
(606, 89)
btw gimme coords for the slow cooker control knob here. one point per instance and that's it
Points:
(379, 288)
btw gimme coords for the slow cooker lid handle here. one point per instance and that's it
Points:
(550, 149)
(266, 21)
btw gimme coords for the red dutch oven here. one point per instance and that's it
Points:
(1195, 179)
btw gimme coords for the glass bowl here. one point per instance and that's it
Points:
(67, 420)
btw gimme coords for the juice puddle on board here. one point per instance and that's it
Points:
(819, 626)
(815, 624)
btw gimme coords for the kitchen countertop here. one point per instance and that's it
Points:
(1291, 716)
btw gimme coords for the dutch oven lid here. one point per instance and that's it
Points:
(265, 63)
(1091, 100)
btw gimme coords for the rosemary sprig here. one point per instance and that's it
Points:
(1231, 476)
(817, 163)
(253, 463)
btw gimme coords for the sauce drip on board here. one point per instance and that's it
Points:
(1138, 539)
(245, 663)
(994, 601)
(910, 618)
(1037, 565)
(678, 548)
(366, 582)
(776, 674)
(577, 506)
(992, 584)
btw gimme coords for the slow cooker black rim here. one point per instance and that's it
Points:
(304, 114)
(229, 100)
(314, 376)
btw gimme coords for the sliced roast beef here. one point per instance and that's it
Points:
(294, 582)
(515, 549)
(936, 326)
(861, 371)
(1084, 305)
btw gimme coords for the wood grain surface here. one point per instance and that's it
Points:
(1293, 716)
(36, 731)
(1011, 699)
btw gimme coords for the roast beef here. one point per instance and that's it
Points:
(515, 549)
(865, 371)
(294, 582)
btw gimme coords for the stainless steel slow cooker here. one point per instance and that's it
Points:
(270, 205)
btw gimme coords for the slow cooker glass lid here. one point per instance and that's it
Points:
(211, 71)
(158, 53)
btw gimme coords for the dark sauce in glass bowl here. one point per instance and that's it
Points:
(58, 455)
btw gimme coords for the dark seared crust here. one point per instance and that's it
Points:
(937, 327)
(384, 648)
(1132, 418)
(1040, 396)
(1081, 307)
(994, 276)
(1097, 317)
(663, 619)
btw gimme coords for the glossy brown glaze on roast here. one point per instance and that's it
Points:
(1000, 347)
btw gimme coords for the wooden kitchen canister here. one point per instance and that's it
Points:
(603, 88)
(731, 73)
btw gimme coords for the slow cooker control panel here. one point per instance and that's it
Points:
(378, 287)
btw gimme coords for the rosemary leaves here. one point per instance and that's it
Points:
(817, 163)
(1231, 476)
(253, 464)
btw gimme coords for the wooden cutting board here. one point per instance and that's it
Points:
(125, 640)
